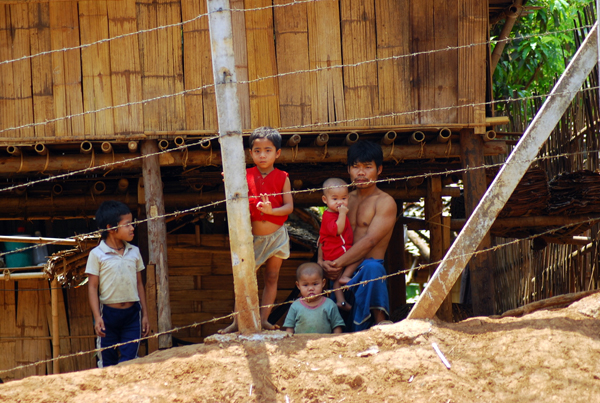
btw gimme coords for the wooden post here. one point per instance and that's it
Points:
(507, 179)
(433, 215)
(151, 302)
(395, 263)
(54, 287)
(157, 237)
(480, 273)
(234, 166)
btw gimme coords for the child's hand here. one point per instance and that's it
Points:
(264, 206)
(99, 327)
(342, 209)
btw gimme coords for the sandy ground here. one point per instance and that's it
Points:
(546, 356)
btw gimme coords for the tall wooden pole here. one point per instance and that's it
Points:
(54, 289)
(234, 166)
(157, 237)
(480, 268)
(507, 179)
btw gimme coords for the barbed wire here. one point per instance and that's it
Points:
(309, 190)
(274, 305)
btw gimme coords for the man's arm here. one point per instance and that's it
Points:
(381, 225)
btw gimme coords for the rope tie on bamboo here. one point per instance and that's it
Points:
(448, 148)
(112, 166)
(92, 159)
(324, 152)
(209, 159)
(422, 150)
(21, 165)
(185, 157)
(47, 162)
(294, 153)
(396, 160)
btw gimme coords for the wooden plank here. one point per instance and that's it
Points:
(325, 50)
(423, 66)
(393, 76)
(95, 68)
(177, 283)
(201, 105)
(291, 38)
(81, 323)
(66, 69)
(8, 328)
(161, 60)
(238, 22)
(202, 295)
(65, 364)
(32, 321)
(359, 45)
(125, 68)
(445, 17)
(472, 29)
(15, 77)
(41, 69)
(264, 94)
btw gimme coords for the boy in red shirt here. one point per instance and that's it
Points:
(270, 204)
(335, 236)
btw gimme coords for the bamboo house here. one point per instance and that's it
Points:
(115, 100)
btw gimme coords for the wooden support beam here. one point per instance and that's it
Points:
(508, 178)
(202, 158)
(475, 185)
(157, 238)
(395, 263)
(433, 216)
(234, 167)
(151, 302)
(54, 289)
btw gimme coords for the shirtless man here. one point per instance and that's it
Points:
(372, 214)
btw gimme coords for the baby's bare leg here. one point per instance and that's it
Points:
(348, 273)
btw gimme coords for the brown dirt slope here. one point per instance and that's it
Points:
(546, 356)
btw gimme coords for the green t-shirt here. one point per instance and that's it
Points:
(322, 318)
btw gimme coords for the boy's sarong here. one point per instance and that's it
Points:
(372, 295)
(266, 246)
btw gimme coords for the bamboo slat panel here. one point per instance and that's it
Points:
(8, 328)
(359, 45)
(41, 69)
(66, 69)
(161, 60)
(291, 37)
(393, 77)
(201, 105)
(472, 29)
(15, 78)
(423, 67)
(238, 21)
(125, 67)
(95, 68)
(325, 50)
(445, 17)
(264, 94)
(81, 323)
(34, 295)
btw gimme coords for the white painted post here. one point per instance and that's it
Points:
(507, 179)
(234, 166)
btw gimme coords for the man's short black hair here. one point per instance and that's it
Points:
(266, 132)
(365, 151)
(110, 213)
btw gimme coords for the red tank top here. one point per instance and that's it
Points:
(272, 183)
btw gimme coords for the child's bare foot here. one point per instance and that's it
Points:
(229, 329)
(267, 326)
(344, 306)
(344, 280)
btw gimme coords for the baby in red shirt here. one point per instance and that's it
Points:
(335, 236)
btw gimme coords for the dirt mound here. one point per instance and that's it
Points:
(549, 355)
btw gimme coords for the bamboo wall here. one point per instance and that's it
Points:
(151, 80)
(524, 275)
